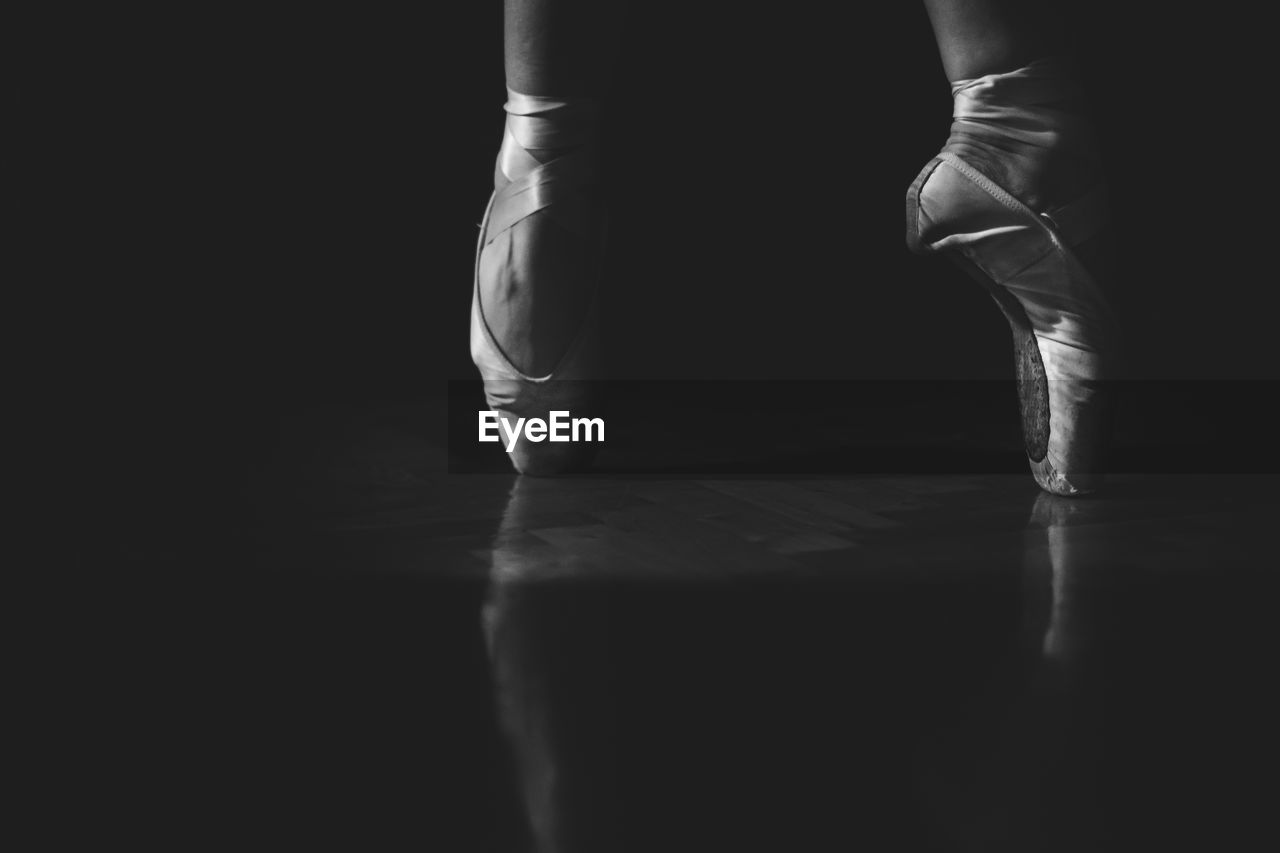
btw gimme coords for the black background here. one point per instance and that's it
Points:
(243, 206)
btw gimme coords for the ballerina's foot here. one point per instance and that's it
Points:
(1015, 198)
(534, 334)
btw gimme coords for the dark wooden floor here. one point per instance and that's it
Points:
(386, 655)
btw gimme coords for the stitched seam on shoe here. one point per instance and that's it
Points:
(993, 189)
(916, 209)
(1003, 196)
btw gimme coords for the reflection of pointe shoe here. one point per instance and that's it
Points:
(1054, 515)
(559, 187)
(1030, 262)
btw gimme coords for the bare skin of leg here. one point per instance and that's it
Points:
(560, 49)
(980, 37)
(977, 37)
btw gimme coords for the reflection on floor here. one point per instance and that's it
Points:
(485, 662)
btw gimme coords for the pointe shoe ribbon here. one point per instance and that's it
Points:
(554, 185)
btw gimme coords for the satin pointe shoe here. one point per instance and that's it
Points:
(547, 166)
(1041, 264)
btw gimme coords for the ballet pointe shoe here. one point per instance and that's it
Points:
(1033, 264)
(557, 187)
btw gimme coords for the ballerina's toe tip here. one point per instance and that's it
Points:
(1055, 482)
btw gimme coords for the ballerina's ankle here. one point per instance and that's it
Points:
(1028, 130)
(539, 129)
